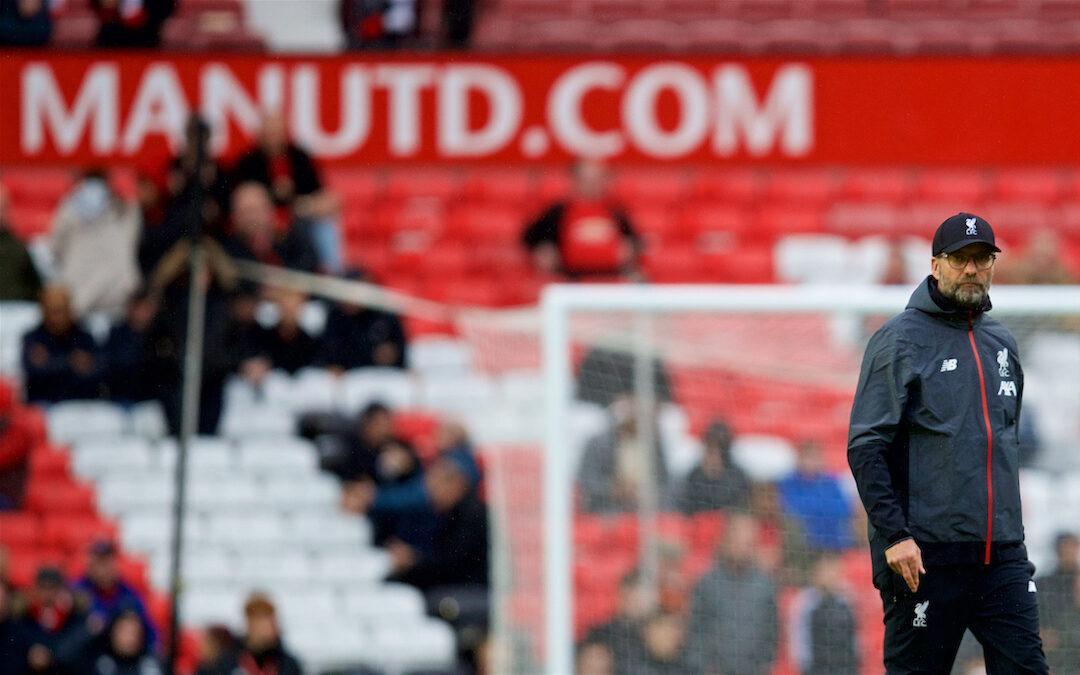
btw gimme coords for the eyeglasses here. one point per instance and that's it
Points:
(959, 261)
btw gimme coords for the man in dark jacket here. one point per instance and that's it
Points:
(716, 484)
(60, 359)
(734, 624)
(460, 552)
(20, 280)
(934, 448)
(24, 23)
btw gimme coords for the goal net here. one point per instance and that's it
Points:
(673, 495)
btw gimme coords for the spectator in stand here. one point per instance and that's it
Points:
(662, 637)
(782, 549)
(594, 658)
(377, 24)
(395, 499)
(55, 627)
(1059, 606)
(584, 235)
(361, 337)
(244, 336)
(735, 600)
(13, 639)
(457, 22)
(132, 23)
(94, 241)
(822, 629)
(218, 651)
(168, 332)
(60, 360)
(15, 446)
(108, 595)
(24, 23)
(620, 634)
(613, 472)
(287, 345)
(123, 648)
(261, 649)
(20, 280)
(459, 556)
(180, 180)
(126, 355)
(294, 183)
(816, 500)
(356, 450)
(260, 234)
(1041, 262)
(716, 484)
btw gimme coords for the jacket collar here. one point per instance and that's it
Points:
(929, 299)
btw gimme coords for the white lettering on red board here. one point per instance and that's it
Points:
(719, 110)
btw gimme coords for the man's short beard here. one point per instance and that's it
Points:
(966, 299)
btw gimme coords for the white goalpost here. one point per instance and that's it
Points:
(711, 340)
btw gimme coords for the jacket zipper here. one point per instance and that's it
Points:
(989, 444)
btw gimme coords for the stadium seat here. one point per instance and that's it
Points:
(47, 463)
(71, 420)
(257, 420)
(63, 496)
(20, 529)
(389, 386)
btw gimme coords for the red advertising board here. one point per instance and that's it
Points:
(469, 108)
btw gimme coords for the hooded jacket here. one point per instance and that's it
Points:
(934, 436)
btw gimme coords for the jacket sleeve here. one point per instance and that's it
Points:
(876, 416)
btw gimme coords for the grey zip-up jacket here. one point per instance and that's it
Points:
(934, 436)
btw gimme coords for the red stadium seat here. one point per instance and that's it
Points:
(60, 496)
(716, 228)
(49, 463)
(655, 188)
(861, 219)
(673, 265)
(24, 564)
(638, 35)
(77, 31)
(354, 187)
(802, 36)
(403, 184)
(74, 533)
(879, 36)
(777, 221)
(803, 186)
(479, 222)
(508, 186)
(659, 225)
(878, 185)
(729, 187)
(965, 186)
(20, 529)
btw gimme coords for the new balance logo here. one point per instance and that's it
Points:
(947, 365)
(971, 229)
(1031, 586)
(1007, 388)
(920, 614)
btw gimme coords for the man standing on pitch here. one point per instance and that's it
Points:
(933, 448)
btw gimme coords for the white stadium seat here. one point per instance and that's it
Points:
(77, 420)
(278, 455)
(390, 386)
(439, 355)
(390, 603)
(148, 419)
(763, 458)
(425, 644)
(458, 394)
(368, 566)
(16, 319)
(257, 420)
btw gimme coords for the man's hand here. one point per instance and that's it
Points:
(402, 556)
(905, 558)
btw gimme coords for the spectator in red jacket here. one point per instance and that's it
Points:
(586, 234)
(15, 445)
(293, 180)
(132, 23)
(260, 233)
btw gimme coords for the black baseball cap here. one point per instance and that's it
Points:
(961, 230)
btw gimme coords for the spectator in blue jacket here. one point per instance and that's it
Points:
(24, 23)
(816, 500)
(60, 360)
(108, 594)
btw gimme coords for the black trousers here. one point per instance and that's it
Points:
(996, 602)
